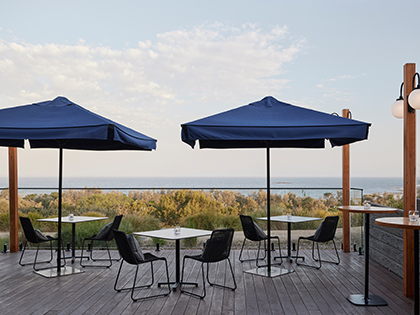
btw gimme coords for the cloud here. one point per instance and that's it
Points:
(207, 63)
(342, 77)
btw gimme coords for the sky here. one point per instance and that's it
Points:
(153, 65)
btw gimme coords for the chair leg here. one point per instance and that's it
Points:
(280, 256)
(47, 261)
(134, 287)
(151, 296)
(258, 252)
(118, 276)
(252, 259)
(98, 259)
(303, 264)
(127, 288)
(330, 261)
(319, 260)
(35, 262)
(21, 255)
(109, 254)
(81, 255)
(204, 282)
(219, 285)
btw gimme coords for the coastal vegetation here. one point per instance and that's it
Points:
(154, 209)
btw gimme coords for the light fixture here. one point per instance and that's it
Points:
(414, 97)
(413, 101)
(397, 109)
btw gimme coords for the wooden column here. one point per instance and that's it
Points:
(13, 200)
(346, 192)
(409, 179)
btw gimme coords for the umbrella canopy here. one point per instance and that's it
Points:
(270, 123)
(61, 123)
(278, 124)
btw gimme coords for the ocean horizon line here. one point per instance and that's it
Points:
(369, 185)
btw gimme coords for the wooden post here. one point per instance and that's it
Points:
(13, 200)
(346, 192)
(409, 179)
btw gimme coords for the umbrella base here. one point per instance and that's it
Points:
(64, 271)
(274, 272)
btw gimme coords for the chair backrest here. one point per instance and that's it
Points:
(326, 231)
(28, 229)
(124, 247)
(250, 229)
(218, 245)
(115, 226)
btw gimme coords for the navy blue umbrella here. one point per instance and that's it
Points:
(63, 124)
(270, 123)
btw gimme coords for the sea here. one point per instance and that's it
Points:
(246, 185)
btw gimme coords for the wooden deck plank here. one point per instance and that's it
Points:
(306, 291)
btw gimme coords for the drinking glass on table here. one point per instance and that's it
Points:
(366, 205)
(413, 215)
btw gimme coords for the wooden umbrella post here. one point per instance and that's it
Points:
(409, 178)
(13, 200)
(346, 192)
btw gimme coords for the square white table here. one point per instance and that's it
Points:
(76, 219)
(289, 221)
(169, 234)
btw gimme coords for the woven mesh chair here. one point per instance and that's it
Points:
(130, 251)
(105, 235)
(217, 248)
(254, 233)
(35, 237)
(324, 233)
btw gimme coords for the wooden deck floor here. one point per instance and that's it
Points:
(305, 291)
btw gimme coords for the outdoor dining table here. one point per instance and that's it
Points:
(170, 234)
(289, 220)
(367, 299)
(73, 221)
(405, 223)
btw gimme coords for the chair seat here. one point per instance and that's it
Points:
(195, 257)
(93, 238)
(150, 257)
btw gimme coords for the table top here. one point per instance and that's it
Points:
(399, 222)
(169, 234)
(292, 219)
(76, 219)
(361, 209)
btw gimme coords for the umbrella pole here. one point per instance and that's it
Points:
(60, 190)
(268, 213)
(61, 271)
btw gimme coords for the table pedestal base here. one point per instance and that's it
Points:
(64, 271)
(372, 300)
(274, 272)
(176, 285)
(290, 258)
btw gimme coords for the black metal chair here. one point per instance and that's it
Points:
(35, 236)
(105, 235)
(216, 249)
(130, 251)
(324, 233)
(253, 232)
